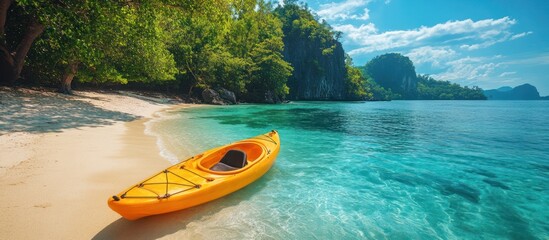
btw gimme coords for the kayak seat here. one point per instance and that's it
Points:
(233, 159)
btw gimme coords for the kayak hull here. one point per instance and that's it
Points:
(191, 182)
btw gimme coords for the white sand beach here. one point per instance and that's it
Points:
(62, 156)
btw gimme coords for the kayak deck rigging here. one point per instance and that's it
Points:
(143, 185)
(199, 179)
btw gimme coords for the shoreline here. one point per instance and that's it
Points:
(166, 151)
(55, 180)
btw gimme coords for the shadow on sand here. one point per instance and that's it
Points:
(154, 227)
(39, 113)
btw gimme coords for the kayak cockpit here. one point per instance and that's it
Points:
(232, 159)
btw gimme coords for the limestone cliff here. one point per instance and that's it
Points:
(316, 76)
(318, 59)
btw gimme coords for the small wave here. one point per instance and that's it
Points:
(164, 151)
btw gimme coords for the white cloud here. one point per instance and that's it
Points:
(489, 31)
(520, 35)
(488, 43)
(434, 55)
(468, 68)
(345, 10)
(504, 74)
(353, 32)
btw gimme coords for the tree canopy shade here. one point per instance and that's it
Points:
(217, 43)
(100, 41)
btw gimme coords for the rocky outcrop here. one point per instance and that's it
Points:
(408, 83)
(227, 96)
(317, 75)
(270, 97)
(394, 72)
(223, 97)
(210, 96)
(522, 92)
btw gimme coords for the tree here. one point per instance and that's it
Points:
(12, 56)
(104, 41)
(432, 89)
(197, 31)
(356, 86)
(269, 70)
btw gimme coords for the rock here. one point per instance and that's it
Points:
(316, 76)
(210, 96)
(270, 97)
(227, 96)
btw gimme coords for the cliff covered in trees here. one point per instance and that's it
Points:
(317, 57)
(394, 72)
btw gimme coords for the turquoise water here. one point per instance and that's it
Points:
(376, 170)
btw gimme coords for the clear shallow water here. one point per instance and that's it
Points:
(396, 170)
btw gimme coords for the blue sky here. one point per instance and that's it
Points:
(485, 43)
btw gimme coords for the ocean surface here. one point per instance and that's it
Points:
(375, 170)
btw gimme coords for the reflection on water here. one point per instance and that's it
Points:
(401, 169)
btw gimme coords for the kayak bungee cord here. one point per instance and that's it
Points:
(207, 179)
(167, 183)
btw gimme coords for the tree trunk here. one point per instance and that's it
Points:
(11, 63)
(7, 66)
(4, 6)
(66, 81)
(6, 60)
(194, 76)
(33, 31)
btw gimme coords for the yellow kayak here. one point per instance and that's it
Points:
(202, 178)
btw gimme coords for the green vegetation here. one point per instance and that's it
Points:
(356, 86)
(397, 79)
(100, 41)
(184, 45)
(248, 47)
(431, 89)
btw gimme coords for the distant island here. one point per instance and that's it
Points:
(392, 76)
(522, 92)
